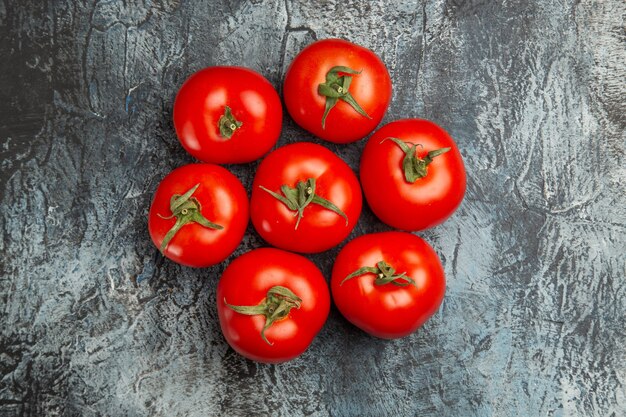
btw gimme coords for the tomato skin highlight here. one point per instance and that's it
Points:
(223, 201)
(319, 229)
(371, 89)
(246, 282)
(201, 101)
(388, 311)
(428, 201)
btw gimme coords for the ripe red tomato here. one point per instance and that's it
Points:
(412, 174)
(271, 304)
(388, 284)
(227, 115)
(337, 90)
(198, 215)
(305, 198)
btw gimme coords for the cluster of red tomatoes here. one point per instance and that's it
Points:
(272, 302)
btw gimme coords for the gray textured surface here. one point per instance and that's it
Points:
(533, 323)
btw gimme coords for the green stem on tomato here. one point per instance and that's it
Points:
(337, 88)
(276, 306)
(385, 274)
(227, 124)
(186, 209)
(413, 166)
(299, 197)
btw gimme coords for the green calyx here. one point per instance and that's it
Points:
(413, 166)
(228, 124)
(186, 209)
(337, 88)
(385, 274)
(276, 306)
(299, 197)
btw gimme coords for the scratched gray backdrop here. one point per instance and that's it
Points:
(94, 322)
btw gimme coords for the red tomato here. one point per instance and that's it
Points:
(271, 304)
(348, 81)
(305, 198)
(388, 284)
(227, 115)
(204, 209)
(412, 174)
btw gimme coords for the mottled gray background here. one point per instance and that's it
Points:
(94, 322)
